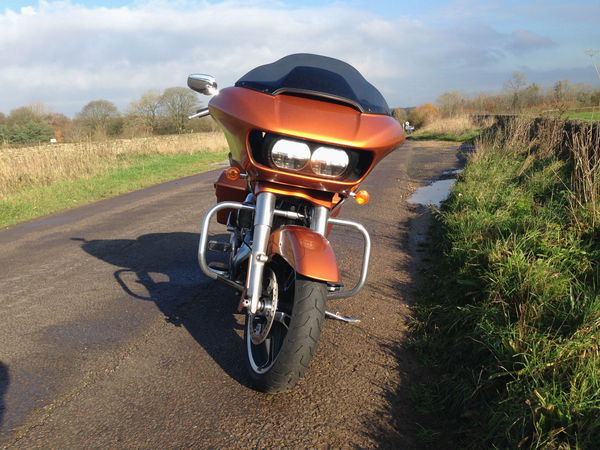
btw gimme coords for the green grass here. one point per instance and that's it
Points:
(432, 136)
(588, 115)
(508, 320)
(138, 171)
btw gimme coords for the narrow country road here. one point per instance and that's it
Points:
(111, 337)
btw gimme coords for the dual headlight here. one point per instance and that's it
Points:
(294, 155)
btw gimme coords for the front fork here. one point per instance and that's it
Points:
(263, 220)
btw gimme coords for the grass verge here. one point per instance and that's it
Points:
(434, 136)
(509, 316)
(587, 115)
(135, 171)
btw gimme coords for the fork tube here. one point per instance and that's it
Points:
(319, 219)
(263, 219)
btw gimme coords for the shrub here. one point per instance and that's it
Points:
(421, 115)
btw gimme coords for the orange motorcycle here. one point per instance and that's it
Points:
(304, 132)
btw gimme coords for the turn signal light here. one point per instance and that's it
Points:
(232, 173)
(362, 197)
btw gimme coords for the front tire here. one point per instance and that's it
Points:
(276, 364)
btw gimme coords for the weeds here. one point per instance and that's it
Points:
(510, 315)
(457, 129)
(586, 172)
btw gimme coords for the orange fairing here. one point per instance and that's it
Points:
(228, 190)
(240, 111)
(308, 252)
(326, 199)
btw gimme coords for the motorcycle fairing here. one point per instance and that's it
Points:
(239, 111)
(228, 190)
(326, 199)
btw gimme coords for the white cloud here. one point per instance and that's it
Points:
(65, 54)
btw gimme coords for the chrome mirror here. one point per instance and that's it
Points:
(203, 84)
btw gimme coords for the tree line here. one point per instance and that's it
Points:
(154, 113)
(516, 97)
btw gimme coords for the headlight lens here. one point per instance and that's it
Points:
(287, 154)
(329, 162)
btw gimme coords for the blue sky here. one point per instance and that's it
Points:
(66, 53)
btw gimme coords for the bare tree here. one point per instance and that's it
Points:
(400, 114)
(451, 103)
(560, 90)
(40, 109)
(178, 103)
(560, 96)
(97, 115)
(147, 110)
(531, 95)
(515, 85)
(21, 116)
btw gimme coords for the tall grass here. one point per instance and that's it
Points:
(451, 125)
(586, 171)
(455, 128)
(510, 316)
(27, 167)
(41, 180)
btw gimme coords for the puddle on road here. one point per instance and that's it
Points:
(451, 172)
(435, 193)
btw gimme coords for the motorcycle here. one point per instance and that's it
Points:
(303, 133)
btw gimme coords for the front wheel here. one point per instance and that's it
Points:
(281, 342)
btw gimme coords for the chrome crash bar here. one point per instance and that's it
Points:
(365, 260)
(218, 275)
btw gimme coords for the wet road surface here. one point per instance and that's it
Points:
(112, 337)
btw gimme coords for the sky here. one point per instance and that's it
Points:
(67, 53)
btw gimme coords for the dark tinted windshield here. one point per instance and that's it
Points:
(304, 73)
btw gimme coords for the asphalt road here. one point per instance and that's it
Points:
(111, 337)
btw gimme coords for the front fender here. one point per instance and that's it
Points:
(306, 251)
